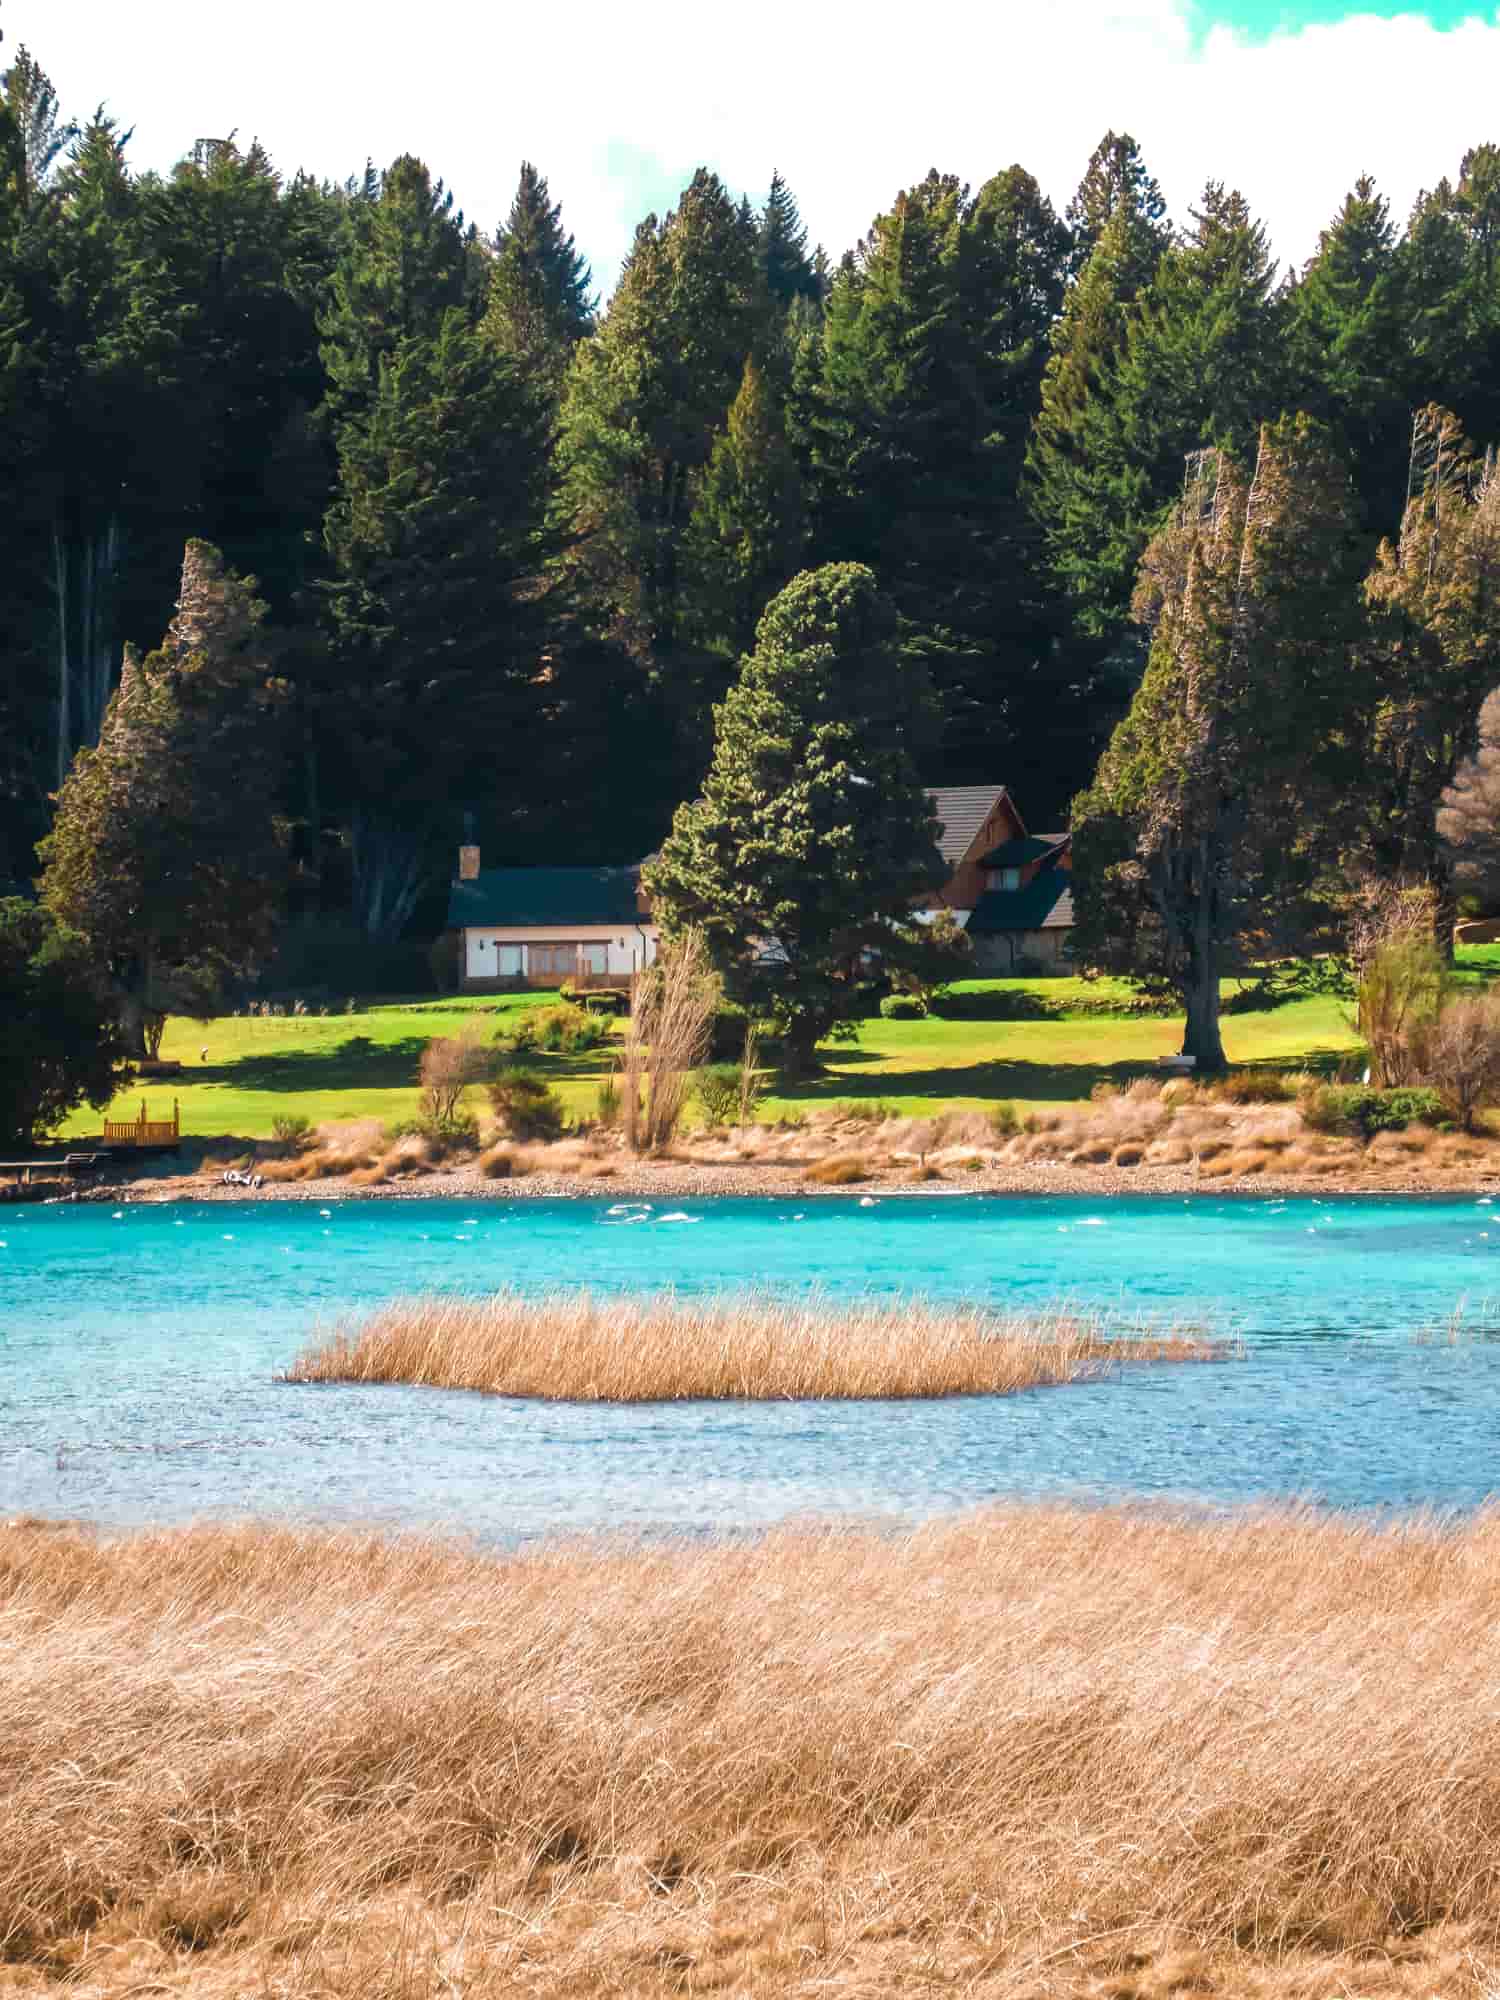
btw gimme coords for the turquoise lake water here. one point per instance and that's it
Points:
(139, 1350)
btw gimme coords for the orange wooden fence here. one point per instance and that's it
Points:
(144, 1131)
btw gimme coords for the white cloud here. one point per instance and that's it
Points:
(617, 104)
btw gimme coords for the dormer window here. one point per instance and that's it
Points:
(1005, 878)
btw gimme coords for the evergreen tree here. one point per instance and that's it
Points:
(645, 399)
(747, 528)
(164, 855)
(539, 302)
(787, 271)
(45, 135)
(813, 834)
(1346, 341)
(402, 265)
(436, 546)
(928, 372)
(1429, 657)
(62, 1048)
(1196, 361)
(1198, 840)
(1115, 181)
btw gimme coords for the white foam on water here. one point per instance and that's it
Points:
(325, 1211)
(471, 1222)
(118, 1216)
(629, 1208)
(679, 1215)
(1092, 1222)
(868, 1201)
(227, 1237)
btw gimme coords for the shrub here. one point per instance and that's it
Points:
(717, 1087)
(495, 1163)
(443, 1136)
(1463, 1056)
(569, 1030)
(450, 1063)
(526, 1105)
(291, 1128)
(902, 1007)
(607, 1103)
(1252, 1086)
(841, 1170)
(865, 1110)
(1003, 1121)
(1362, 1109)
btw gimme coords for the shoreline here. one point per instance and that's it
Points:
(682, 1181)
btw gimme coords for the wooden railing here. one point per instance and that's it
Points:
(144, 1131)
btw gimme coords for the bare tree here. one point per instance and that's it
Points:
(1469, 822)
(450, 1063)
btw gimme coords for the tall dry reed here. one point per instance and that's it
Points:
(668, 1037)
(588, 1347)
(1035, 1752)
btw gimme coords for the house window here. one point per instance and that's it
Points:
(593, 958)
(552, 961)
(508, 961)
(1005, 878)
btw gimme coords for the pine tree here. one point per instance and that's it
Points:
(1198, 842)
(401, 267)
(44, 134)
(929, 364)
(747, 528)
(813, 833)
(164, 855)
(1429, 657)
(1115, 181)
(1196, 359)
(787, 271)
(1347, 345)
(645, 400)
(539, 303)
(436, 545)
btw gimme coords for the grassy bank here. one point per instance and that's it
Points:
(1038, 1752)
(576, 1347)
(240, 1073)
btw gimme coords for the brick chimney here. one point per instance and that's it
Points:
(468, 863)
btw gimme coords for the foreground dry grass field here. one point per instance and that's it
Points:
(581, 1347)
(1036, 1752)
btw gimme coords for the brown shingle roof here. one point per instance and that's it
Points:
(963, 810)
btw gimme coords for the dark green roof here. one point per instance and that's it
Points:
(1016, 853)
(1045, 904)
(523, 897)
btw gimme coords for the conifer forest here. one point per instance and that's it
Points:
(475, 547)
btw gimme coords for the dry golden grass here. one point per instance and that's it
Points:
(1038, 1752)
(579, 1347)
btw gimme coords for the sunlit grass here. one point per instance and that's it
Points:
(1040, 1751)
(583, 1347)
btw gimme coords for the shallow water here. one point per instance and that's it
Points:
(139, 1350)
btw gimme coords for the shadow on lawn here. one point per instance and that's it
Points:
(1059, 1082)
(357, 1064)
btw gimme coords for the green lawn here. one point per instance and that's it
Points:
(344, 1066)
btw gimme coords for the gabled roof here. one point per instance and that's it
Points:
(963, 810)
(521, 897)
(1016, 853)
(1045, 904)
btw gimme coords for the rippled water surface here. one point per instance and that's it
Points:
(139, 1351)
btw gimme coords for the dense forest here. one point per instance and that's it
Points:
(490, 549)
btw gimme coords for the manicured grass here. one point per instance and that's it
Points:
(343, 1066)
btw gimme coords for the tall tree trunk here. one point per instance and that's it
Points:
(64, 664)
(390, 873)
(133, 1012)
(100, 559)
(1200, 1035)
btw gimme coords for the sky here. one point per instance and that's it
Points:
(1288, 100)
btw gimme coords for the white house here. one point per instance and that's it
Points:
(523, 927)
